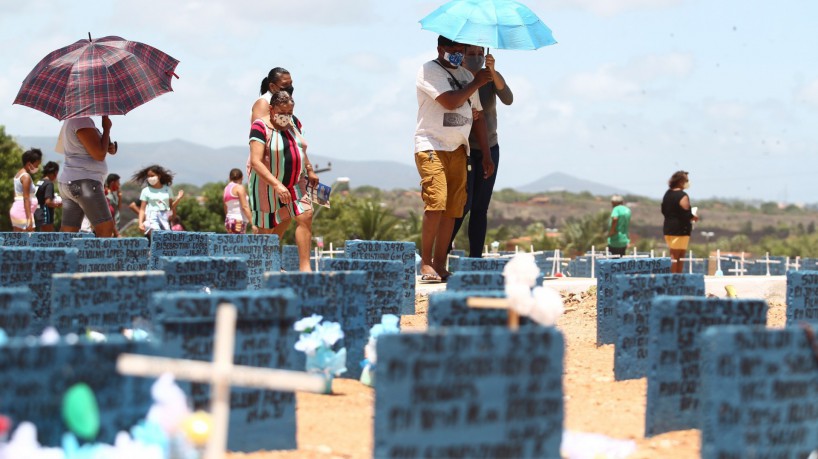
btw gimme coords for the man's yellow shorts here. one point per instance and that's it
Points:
(677, 242)
(443, 180)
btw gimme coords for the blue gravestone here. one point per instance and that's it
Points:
(33, 267)
(33, 380)
(198, 273)
(15, 238)
(802, 297)
(579, 267)
(259, 419)
(605, 270)
(778, 267)
(103, 302)
(2, 241)
(107, 254)
(632, 299)
(176, 244)
(290, 261)
(674, 372)
(338, 296)
(758, 394)
(449, 309)
(388, 250)
(469, 392)
(477, 264)
(808, 264)
(383, 284)
(56, 240)
(543, 262)
(15, 311)
(260, 251)
(469, 281)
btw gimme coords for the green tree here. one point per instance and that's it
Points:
(10, 154)
(579, 235)
(204, 212)
(373, 221)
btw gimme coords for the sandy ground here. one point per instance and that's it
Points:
(340, 426)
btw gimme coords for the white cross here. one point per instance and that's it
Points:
(738, 270)
(221, 374)
(797, 263)
(332, 252)
(691, 260)
(719, 259)
(636, 254)
(766, 260)
(556, 262)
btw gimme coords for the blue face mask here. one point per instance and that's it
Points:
(455, 59)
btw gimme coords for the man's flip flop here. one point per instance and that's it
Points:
(430, 279)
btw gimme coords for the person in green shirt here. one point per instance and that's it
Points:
(620, 225)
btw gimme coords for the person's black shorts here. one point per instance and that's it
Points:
(44, 215)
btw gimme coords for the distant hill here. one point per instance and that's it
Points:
(557, 181)
(198, 164)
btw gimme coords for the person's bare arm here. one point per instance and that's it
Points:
(245, 205)
(142, 216)
(614, 222)
(455, 98)
(260, 109)
(98, 146)
(25, 179)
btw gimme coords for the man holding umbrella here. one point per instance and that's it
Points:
(448, 111)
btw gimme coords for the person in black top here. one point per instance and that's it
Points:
(44, 215)
(679, 219)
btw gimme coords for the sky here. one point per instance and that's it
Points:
(633, 91)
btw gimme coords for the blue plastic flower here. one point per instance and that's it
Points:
(390, 324)
(308, 343)
(308, 323)
(4, 338)
(327, 362)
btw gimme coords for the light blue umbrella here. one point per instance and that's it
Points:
(503, 24)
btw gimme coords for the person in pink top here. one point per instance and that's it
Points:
(236, 207)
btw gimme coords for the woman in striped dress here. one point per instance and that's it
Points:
(278, 177)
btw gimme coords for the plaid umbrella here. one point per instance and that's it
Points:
(106, 76)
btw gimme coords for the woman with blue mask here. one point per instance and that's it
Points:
(480, 185)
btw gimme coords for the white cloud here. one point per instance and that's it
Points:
(613, 82)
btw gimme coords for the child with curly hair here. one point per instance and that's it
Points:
(157, 205)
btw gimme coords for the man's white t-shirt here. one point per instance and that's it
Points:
(437, 128)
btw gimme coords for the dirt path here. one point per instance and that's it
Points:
(340, 426)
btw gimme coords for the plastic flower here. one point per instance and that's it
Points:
(522, 269)
(308, 323)
(330, 332)
(308, 343)
(389, 324)
(327, 362)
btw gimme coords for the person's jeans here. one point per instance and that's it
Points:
(478, 198)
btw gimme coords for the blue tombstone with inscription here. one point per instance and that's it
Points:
(470, 392)
(15, 311)
(389, 250)
(34, 378)
(56, 239)
(32, 267)
(605, 270)
(106, 254)
(259, 419)
(450, 309)
(15, 238)
(475, 281)
(545, 261)
(579, 267)
(807, 264)
(633, 296)
(104, 302)
(384, 292)
(204, 273)
(290, 261)
(177, 244)
(338, 296)
(802, 297)
(477, 264)
(674, 361)
(260, 251)
(757, 394)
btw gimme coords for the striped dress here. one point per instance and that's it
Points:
(284, 158)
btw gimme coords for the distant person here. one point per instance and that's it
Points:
(278, 177)
(47, 198)
(22, 209)
(620, 224)
(83, 175)
(481, 185)
(176, 223)
(679, 218)
(448, 110)
(236, 207)
(113, 193)
(157, 198)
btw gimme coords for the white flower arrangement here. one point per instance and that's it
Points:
(317, 340)
(542, 304)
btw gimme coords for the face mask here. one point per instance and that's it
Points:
(153, 180)
(283, 120)
(32, 170)
(455, 59)
(687, 185)
(474, 63)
